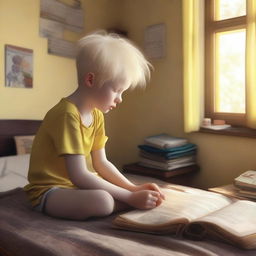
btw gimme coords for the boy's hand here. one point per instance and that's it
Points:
(144, 199)
(150, 186)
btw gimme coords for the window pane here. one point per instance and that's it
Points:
(226, 9)
(230, 72)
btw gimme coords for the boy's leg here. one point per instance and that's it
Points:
(121, 206)
(79, 204)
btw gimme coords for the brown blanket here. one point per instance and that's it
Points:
(25, 232)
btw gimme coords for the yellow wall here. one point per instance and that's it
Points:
(54, 76)
(157, 109)
(160, 107)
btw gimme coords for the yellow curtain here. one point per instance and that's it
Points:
(193, 63)
(251, 64)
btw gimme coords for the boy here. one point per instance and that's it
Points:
(60, 183)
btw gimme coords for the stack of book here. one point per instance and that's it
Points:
(246, 184)
(164, 156)
(166, 152)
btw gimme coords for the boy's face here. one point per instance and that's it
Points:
(109, 95)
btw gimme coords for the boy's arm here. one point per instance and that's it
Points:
(81, 177)
(109, 172)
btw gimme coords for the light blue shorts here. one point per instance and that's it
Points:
(41, 205)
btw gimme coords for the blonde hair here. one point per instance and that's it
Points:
(111, 57)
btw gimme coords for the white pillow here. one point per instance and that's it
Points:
(24, 144)
(16, 164)
(13, 171)
(11, 181)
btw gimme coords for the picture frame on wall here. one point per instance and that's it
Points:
(18, 67)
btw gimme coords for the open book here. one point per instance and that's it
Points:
(196, 214)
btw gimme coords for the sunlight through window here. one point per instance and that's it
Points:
(226, 9)
(230, 72)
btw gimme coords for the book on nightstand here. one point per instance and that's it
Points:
(243, 187)
(164, 140)
(246, 180)
(196, 214)
(166, 153)
(228, 190)
(164, 156)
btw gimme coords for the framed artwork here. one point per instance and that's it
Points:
(18, 67)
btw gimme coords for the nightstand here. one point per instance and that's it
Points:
(181, 176)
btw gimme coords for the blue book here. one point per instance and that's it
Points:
(171, 153)
(184, 148)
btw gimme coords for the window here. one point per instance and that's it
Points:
(225, 60)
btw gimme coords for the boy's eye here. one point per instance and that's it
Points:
(117, 90)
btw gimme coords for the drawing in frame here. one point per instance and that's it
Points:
(18, 67)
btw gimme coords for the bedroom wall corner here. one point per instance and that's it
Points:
(158, 108)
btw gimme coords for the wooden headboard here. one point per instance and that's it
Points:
(11, 128)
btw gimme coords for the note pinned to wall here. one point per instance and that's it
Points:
(61, 47)
(50, 28)
(55, 18)
(53, 9)
(155, 41)
(75, 20)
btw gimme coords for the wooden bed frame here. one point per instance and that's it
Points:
(11, 128)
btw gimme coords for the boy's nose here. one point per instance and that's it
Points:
(118, 99)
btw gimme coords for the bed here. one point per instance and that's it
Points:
(26, 232)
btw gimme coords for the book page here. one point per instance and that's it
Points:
(179, 204)
(237, 218)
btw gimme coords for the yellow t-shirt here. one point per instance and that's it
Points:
(62, 132)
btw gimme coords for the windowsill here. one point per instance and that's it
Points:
(232, 131)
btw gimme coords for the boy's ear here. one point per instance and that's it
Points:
(89, 79)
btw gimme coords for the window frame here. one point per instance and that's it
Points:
(211, 27)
